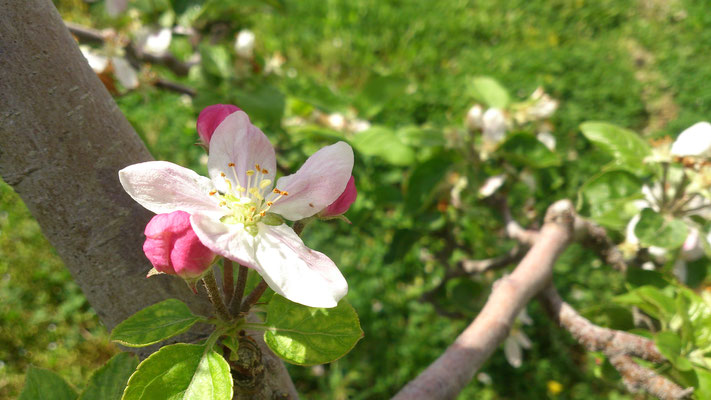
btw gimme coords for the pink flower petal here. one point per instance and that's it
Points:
(343, 202)
(230, 241)
(296, 272)
(211, 117)
(236, 141)
(317, 184)
(164, 187)
(173, 248)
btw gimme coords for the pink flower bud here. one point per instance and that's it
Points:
(343, 202)
(173, 248)
(210, 117)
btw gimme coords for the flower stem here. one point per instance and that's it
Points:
(239, 290)
(254, 296)
(228, 280)
(214, 294)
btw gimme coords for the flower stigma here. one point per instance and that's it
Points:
(250, 204)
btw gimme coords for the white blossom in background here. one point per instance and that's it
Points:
(517, 341)
(694, 141)
(494, 125)
(543, 106)
(125, 73)
(274, 63)
(244, 43)
(491, 185)
(336, 121)
(475, 118)
(358, 125)
(547, 139)
(154, 41)
(97, 62)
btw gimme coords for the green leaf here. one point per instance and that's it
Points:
(41, 384)
(309, 336)
(109, 381)
(606, 198)
(669, 345)
(181, 371)
(264, 103)
(642, 277)
(402, 242)
(703, 390)
(524, 149)
(489, 91)
(155, 323)
(654, 229)
(626, 147)
(424, 182)
(216, 61)
(417, 137)
(379, 91)
(384, 143)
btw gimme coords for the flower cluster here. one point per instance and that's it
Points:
(494, 123)
(239, 212)
(683, 193)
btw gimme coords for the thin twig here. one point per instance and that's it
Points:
(174, 87)
(489, 264)
(618, 346)
(595, 238)
(213, 292)
(253, 297)
(236, 303)
(228, 280)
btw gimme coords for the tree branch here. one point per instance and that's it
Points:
(445, 378)
(618, 346)
(595, 238)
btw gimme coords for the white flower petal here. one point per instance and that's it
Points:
(230, 241)
(296, 272)
(317, 184)
(164, 187)
(125, 73)
(693, 141)
(237, 141)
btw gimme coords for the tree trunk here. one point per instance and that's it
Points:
(62, 141)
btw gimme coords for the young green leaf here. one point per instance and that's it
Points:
(627, 147)
(607, 198)
(384, 143)
(669, 344)
(490, 92)
(155, 323)
(309, 336)
(524, 149)
(654, 229)
(181, 371)
(109, 381)
(41, 384)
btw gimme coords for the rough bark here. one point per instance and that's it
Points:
(62, 141)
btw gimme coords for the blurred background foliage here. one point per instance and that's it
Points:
(395, 79)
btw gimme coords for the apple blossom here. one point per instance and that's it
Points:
(238, 215)
(173, 247)
(244, 43)
(343, 202)
(210, 118)
(694, 141)
(494, 125)
(474, 117)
